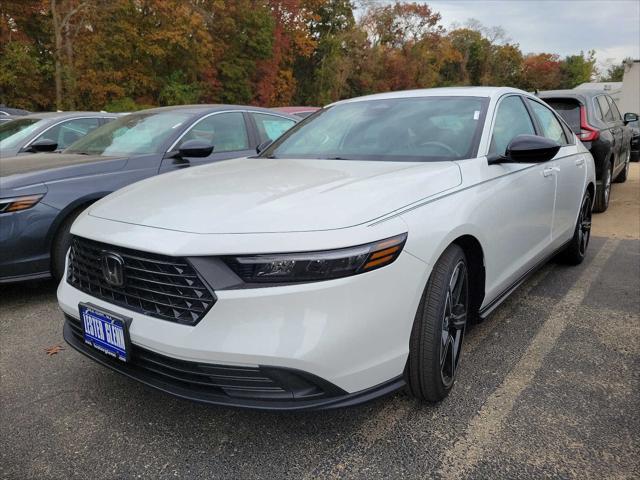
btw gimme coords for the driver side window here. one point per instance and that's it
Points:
(512, 119)
(65, 133)
(225, 131)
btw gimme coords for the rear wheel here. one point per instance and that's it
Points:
(438, 329)
(622, 176)
(604, 191)
(577, 249)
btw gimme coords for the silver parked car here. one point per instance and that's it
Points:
(48, 132)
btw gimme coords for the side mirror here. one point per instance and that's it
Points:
(263, 146)
(195, 148)
(630, 117)
(527, 149)
(43, 145)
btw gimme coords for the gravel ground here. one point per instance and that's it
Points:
(549, 387)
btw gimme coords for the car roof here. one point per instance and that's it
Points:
(5, 111)
(210, 108)
(579, 94)
(488, 92)
(63, 115)
(294, 110)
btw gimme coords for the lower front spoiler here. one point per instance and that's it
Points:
(258, 388)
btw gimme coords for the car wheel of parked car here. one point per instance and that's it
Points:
(438, 329)
(61, 245)
(622, 176)
(577, 249)
(603, 193)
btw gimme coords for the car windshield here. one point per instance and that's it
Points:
(133, 134)
(399, 129)
(13, 132)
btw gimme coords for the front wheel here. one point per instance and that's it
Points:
(61, 245)
(438, 329)
(577, 249)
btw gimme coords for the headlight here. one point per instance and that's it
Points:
(314, 266)
(18, 203)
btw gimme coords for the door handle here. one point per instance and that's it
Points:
(580, 161)
(549, 171)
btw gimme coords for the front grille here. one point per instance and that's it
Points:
(155, 285)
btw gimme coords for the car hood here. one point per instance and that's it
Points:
(276, 195)
(46, 167)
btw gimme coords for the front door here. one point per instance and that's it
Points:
(519, 213)
(226, 131)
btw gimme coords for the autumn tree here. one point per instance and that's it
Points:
(541, 71)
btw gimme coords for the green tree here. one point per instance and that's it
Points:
(577, 69)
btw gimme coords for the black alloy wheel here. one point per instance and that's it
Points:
(576, 250)
(437, 335)
(454, 321)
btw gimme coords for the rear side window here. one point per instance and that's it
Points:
(614, 109)
(548, 122)
(225, 131)
(605, 108)
(569, 110)
(512, 119)
(270, 127)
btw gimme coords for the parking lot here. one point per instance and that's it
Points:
(549, 387)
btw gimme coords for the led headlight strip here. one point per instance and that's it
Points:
(314, 266)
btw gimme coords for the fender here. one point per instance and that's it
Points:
(66, 211)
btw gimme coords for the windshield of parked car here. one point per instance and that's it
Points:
(13, 132)
(133, 134)
(398, 129)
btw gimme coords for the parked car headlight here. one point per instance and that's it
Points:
(314, 266)
(16, 204)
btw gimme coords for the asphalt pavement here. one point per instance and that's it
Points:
(549, 387)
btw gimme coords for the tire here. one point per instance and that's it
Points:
(577, 249)
(433, 360)
(61, 245)
(604, 192)
(624, 173)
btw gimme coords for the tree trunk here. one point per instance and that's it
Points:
(69, 71)
(57, 54)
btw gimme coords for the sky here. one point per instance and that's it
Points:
(610, 27)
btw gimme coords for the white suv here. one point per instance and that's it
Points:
(341, 263)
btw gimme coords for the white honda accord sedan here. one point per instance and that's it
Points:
(341, 263)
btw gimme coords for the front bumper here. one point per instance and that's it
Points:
(262, 388)
(346, 340)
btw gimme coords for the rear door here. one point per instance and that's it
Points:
(226, 131)
(619, 131)
(613, 128)
(569, 168)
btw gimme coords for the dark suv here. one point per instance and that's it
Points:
(594, 117)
